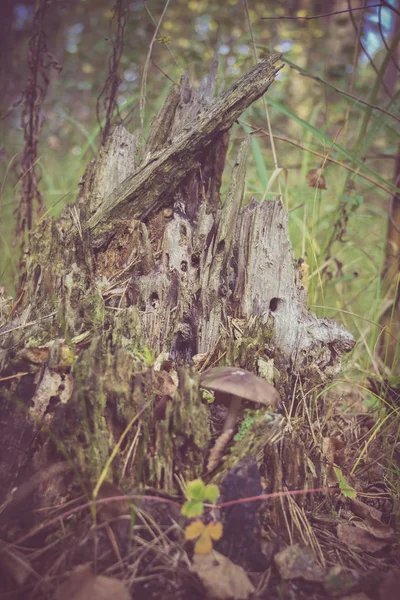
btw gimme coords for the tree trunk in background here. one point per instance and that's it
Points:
(6, 37)
(389, 348)
(145, 281)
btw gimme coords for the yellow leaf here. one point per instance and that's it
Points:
(203, 545)
(193, 530)
(214, 530)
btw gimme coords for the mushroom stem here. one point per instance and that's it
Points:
(233, 411)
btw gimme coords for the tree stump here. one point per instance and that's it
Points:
(146, 279)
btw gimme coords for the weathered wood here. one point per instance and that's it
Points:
(150, 262)
(142, 193)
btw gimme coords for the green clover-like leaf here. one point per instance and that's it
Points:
(192, 509)
(211, 492)
(195, 490)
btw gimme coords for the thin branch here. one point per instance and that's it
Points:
(309, 18)
(363, 48)
(340, 91)
(390, 7)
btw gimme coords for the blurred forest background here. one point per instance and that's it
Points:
(333, 113)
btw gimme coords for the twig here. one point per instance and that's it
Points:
(309, 18)
(340, 91)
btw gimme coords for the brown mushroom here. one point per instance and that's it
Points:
(240, 385)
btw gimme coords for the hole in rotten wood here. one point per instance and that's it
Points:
(195, 259)
(184, 266)
(274, 304)
(154, 300)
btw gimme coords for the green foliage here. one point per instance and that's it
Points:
(197, 493)
(347, 490)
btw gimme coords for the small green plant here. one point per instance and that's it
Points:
(197, 493)
(347, 490)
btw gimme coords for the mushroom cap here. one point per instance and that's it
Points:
(239, 382)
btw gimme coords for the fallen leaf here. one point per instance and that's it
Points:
(82, 584)
(376, 528)
(164, 384)
(221, 577)
(114, 508)
(315, 179)
(48, 388)
(37, 355)
(362, 510)
(298, 561)
(200, 359)
(333, 450)
(354, 537)
(341, 580)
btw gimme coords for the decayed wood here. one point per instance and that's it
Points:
(142, 192)
(150, 262)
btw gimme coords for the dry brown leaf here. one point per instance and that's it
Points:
(363, 510)
(164, 384)
(165, 387)
(37, 355)
(82, 584)
(221, 577)
(199, 360)
(51, 385)
(341, 580)
(115, 508)
(354, 537)
(217, 451)
(376, 528)
(62, 358)
(298, 561)
(333, 450)
(315, 179)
